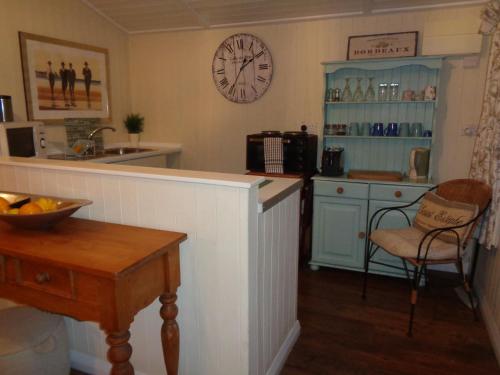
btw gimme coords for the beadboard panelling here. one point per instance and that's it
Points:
(277, 274)
(214, 295)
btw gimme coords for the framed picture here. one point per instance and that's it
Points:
(379, 46)
(64, 79)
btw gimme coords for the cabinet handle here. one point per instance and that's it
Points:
(361, 235)
(340, 190)
(398, 194)
(42, 277)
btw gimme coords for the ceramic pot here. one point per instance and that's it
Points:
(134, 139)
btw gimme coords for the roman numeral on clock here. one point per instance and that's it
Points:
(224, 82)
(231, 90)
(243, 94)
(251, 45)
(254, 89)
(261, 79)
(239, 43)
(229, 48)
(263, 66)
(259, 54)
(220, 71)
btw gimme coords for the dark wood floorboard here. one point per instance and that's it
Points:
(343, 335)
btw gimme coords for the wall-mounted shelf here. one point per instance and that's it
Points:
(379, 138)
(381, 102)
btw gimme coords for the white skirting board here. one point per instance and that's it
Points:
(91, 365)
(286, 348)
(491, 325)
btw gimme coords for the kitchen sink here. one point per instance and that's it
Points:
(124, 150)
(117, 151)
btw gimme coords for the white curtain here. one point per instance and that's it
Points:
(485, 164)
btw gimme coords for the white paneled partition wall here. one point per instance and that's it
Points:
(237, 301)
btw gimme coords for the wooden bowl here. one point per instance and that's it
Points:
(44, 220)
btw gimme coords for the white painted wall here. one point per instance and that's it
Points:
(171, 84)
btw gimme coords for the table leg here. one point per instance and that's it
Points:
(119, 352)
(170, 332)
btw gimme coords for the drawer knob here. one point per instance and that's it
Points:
(340, 190)
(398, 194)
(42, 277)
(361, 235)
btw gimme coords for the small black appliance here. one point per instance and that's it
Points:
(332, 162)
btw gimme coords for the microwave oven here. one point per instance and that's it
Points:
(26, 139)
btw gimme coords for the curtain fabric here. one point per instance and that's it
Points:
(485, 163)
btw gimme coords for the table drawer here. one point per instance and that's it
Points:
(49, 279)
(401, 193)
(341, 189)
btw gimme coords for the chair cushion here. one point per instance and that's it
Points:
(436, 212)
(404, 243)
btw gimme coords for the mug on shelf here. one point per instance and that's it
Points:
(377, 129)
(416, 129)
(354, 129)
(404, 129)
(365, 129)
(392, 129)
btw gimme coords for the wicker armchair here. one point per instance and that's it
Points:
(417, 248)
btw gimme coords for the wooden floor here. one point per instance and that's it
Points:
(344, 335)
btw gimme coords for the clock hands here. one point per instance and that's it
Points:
(243, 65)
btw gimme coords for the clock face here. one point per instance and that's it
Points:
(242, 68)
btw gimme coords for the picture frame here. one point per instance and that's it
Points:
(380, 46)
(64, 79)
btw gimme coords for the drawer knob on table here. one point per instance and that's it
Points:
(398, 194)
(340, 190)
(361, 235)
(42, 277)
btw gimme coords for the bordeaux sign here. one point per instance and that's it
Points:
(380, 46)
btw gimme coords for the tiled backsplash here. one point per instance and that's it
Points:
(79, 128)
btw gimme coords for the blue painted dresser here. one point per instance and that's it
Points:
(342, 206)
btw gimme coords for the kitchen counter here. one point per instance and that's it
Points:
(404, 181)
(273, 192)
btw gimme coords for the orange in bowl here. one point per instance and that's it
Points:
(4, 205)
(30, 209)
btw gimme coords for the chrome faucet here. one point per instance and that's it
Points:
(101, 128)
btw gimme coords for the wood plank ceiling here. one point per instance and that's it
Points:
(136, 16)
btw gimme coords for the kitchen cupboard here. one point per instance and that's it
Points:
(342, 210)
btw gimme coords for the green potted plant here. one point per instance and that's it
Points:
(134, 123)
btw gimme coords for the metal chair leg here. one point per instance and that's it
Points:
(467, 288)
(367, 262)
(413, 299)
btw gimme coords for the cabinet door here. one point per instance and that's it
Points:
(337, 225)
(392, 219)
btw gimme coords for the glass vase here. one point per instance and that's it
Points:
(358, 93)
(370, 91)
(347, 94)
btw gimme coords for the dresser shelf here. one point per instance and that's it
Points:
(379, 138)
(385, 102)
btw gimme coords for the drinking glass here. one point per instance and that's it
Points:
(347, 94)
(358, 93)
(370, 92)
(382, 92)
(394, 91)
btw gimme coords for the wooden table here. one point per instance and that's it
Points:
(99, 272)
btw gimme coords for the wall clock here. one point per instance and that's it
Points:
(242, 68)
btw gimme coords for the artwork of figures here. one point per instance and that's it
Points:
(64, 79)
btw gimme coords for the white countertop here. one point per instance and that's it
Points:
(156, 149)
(276, 191)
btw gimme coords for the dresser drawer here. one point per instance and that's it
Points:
(341, 189)
(396, 193)
(49, 279)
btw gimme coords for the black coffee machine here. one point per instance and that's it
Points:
(332, 162)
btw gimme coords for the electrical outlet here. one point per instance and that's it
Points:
(469, 130)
